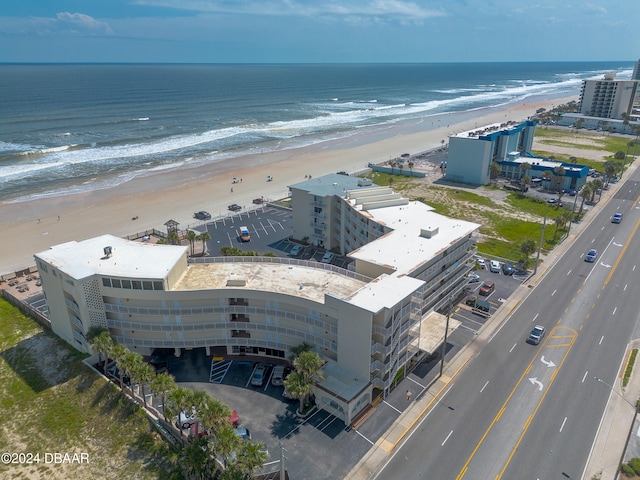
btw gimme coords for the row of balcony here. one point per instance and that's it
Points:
(329, 344)
(240, 311)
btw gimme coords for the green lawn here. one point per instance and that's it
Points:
(51, 402)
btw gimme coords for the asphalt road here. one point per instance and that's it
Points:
(526, 411)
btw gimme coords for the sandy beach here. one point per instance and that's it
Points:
(33, 226)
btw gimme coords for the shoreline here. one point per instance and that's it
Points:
(32, 226)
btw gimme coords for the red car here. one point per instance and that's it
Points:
(487, 288)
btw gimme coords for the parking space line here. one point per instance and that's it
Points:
(387, 403)
(271, 225)
(363, 436)
(417, 383)
(255, 230)
(265, 230)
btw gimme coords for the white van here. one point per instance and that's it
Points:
(244, 234)
(494, 266)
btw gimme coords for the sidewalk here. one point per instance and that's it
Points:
(610, 444)
(618, 425)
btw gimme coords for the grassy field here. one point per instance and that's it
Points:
(51, 402)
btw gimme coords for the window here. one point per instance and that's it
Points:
(147, 285)
(157, 285)
(137, 284)
(106, 282)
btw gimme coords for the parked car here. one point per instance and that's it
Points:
(591, 256)
(277, 379)
(202, 215)
(343, 173)
(536, 335)
(296, 250)
(473, 278)
(258, 201)
(617, 217)
(243, 433)
(243, 233)
(257, 378)
(185, 420)
(487, 288)
(494, 266)
(327, 257)
(507, 269)
(234, 207)
(481, 263)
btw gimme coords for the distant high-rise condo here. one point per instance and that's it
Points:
(607, 97)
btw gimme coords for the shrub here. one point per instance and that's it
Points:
(626, 469)
(620, 155)
(634, 463)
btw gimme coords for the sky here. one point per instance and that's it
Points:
(318, 31)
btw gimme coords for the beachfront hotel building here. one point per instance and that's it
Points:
(607, 97)
(471, 154)
(366, 322)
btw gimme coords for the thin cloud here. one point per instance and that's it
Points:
(381, 9)
(83, 22)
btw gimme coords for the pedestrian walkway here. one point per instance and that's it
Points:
(609, 443)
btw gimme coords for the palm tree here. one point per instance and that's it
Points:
(547, 176)
(558, 221)
(191, 236)
(102, 343)
(525, 181)
(410, 165)
(299, 387)
(524, 168)
(161, 384)
(527, 247)
(558, 172)
(203, 237)
(194, 461)
(178, 400)
(215, 414)
(173, 238)
(118, 352)
(585, 193)
(573, 160)
(129, 365)
(295, 351)
(596, 186)
(252, 455)
(199, 399)
(227, 442)
(146, 374)
(309, 364)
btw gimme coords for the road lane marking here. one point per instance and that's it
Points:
(534, 318)
(585, 376)
(601, 339)
(569, 272)
(484, 386)
(624, 249)
(554, 292)
(615, 309)
(573, 335)
(514, 346)
(445, 440)
(563, 422)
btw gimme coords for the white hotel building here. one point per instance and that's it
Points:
(366, 322)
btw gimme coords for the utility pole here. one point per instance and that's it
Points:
(282, 457)
(446, 331)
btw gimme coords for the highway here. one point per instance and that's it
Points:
(532, 411)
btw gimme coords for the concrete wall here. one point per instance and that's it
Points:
(469, 160)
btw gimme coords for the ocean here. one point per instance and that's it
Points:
(72, 128)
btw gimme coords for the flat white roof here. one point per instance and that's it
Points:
(404, 249)
(384, 291)
(296, 280)
(341, 382)
(128, 259)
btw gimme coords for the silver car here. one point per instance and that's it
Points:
(536, 335)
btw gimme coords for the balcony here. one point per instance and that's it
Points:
(239, 318)
(240, 302)
(240, 334)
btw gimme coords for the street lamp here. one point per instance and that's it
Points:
(612, 388)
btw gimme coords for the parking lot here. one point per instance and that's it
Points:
(272, 418)
(269, 229)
